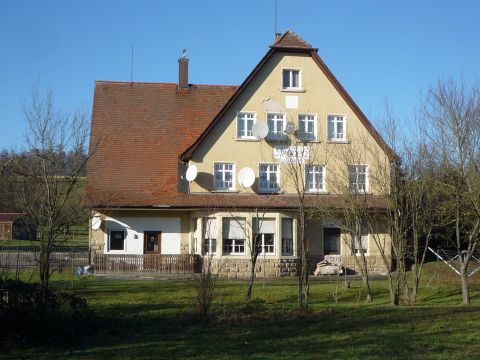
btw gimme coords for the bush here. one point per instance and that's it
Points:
(30, 315)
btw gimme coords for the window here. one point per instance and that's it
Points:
(269, 178)
(265, 230)
(209, 236)
(291, 79)
(307, 127)
(117, 240)
(233, 236)
(276, 126)
(336, 128)
(223, 176)
(245, 123)
(287, 236)
(358, 178)
(362, 245)
(315, 178)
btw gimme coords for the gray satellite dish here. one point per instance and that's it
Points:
(192, 172)
(96, 222)
(246, 177)
(260, 130)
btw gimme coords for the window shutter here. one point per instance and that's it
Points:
(234, 229)
(265, 226)
(210, 228)
(287, 228)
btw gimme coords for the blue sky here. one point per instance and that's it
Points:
(379, 50)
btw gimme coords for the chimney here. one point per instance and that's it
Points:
(183, 71)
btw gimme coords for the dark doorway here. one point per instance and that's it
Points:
(331, 241)
(152, 242)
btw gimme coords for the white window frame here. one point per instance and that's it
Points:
(335, 117)
(209, 243)
(232, 188)
(109, 234)
(269, 172)
(276, 136)
(364, 237)
(303, 136)
(350, 183)
(291, 70)
(245, 125)
(307, 173)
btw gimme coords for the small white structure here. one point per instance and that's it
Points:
(325, 267)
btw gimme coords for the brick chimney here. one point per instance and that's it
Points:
(183, 71)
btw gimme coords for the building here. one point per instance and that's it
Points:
(145, 136)
(16, 226)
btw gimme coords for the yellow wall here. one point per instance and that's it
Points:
(319, 97)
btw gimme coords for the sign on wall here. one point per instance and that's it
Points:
(291, 154)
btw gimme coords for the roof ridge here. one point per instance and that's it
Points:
(291, 39)
(116, 82)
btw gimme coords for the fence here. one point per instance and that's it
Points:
(29, 259)
(142, 264)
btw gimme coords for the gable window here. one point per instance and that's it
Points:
(336, 128)
(264, 232)
(116, 240)
(307, 127)
(315, 178)
(233, 230)
(291, 79)
(362, 245)
(358, 178)
(287, 236)
(276, 126)
(269, 178)
(223, 176)
(245, 123)
(210, 236)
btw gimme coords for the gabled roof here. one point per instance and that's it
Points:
(138, 131)
(291, 42)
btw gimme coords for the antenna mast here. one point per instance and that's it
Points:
(131, 67)
(275, 17)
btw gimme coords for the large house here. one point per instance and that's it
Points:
(180, 168)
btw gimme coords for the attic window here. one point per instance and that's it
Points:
(291, 79)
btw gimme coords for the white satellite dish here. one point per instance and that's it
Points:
(260, 130)
(192, 172)
(272, 106)
(96, 222)
(246, 177)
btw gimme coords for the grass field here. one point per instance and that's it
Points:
(153, 318)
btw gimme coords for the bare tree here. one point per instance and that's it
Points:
(46, 180)
(452, 109)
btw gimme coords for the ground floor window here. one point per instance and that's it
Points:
(209, 236)
(361, 245)
(287, 236)
(233, 236)
(116, 240)
(264, 231)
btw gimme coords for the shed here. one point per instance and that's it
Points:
(17, 226)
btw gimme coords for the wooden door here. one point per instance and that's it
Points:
(152, 242)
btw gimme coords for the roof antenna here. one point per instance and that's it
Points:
(131, 68)
(275, 17)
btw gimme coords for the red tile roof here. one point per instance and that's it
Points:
(138, 132)
(291, 40)
(9, 217)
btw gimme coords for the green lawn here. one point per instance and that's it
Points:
(143, 319)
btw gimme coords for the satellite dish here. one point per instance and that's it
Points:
(271, 105)
(260, 130)
(96, 222)
(246, 177)
(191, 173)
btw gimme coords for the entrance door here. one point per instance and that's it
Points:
(331, 241)
(152, 242)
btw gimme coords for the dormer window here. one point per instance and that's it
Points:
(245, 121)
(291, 79)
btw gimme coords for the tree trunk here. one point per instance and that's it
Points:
(44, 266)
(465, 288)
(252, 279)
